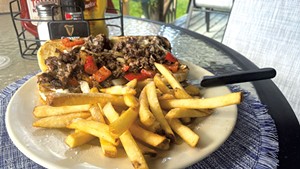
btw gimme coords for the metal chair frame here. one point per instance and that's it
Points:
(193, 6)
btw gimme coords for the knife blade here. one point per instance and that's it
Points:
(237, 77)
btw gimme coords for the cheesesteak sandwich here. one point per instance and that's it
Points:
(97, 61)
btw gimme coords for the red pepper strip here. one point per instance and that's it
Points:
(144, 74)
(65, 41)
(138, 76)
(90, 66)
(70, 43)
(102, 74)
(173, 67)
(148, 73)
(170, 57)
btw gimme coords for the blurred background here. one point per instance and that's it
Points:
(136, 6)
(174, 12)
(178, 12)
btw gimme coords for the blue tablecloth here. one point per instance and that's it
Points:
(253, 143)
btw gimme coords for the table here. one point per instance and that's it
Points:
(199, 50)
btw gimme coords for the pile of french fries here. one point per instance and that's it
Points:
(143, 119)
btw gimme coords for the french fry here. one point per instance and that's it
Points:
(94, 90)
(192, 90)
(179, 91)
(188, 135)
(130, 146)
(108, 149)
(166, 96)
(167, 74)
(155, 127)
(118, 90)
(120, 125)
(181, 94)
(45, 110)
(68, 99)
(96, 109)
(60, 121)
(96, 113)
(143, 83)
(147, 150)
(110, 113)
(183, 112)
(132, 83)
(95, 128)
(145, 115)
(149, 137)
(133, 151)
(207, 103)
(186, 120)
(158, 93)
(157, 111)
(78, 138)
(161, 85)
(130, 100)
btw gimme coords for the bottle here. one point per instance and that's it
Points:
(45, 12)
(95, 9)
(72, 9)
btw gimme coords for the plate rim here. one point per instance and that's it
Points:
(13, 135)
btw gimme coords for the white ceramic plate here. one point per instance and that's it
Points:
(47, 148)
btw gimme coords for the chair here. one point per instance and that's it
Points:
(268, 34)
(169, 13)
(164, 10)
(208, 6)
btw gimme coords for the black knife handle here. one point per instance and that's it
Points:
(238, 77)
